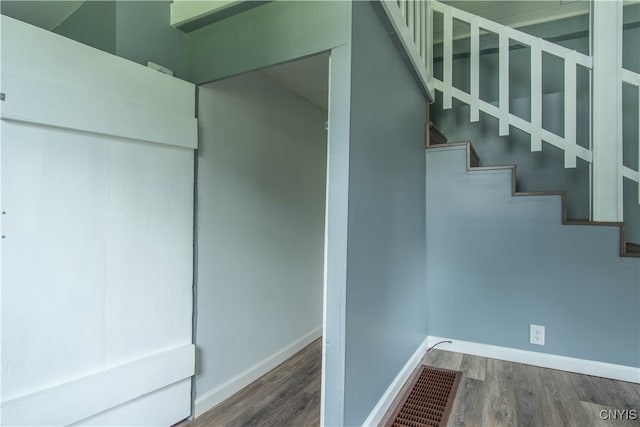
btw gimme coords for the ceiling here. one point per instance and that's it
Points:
(307, 77)
(522, 12)
(516, 13)
(43, 14)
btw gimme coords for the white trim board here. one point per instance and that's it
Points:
(38, 102)
(83, 397)
(544, 360)
(77, 87)
(394, 388)
(218, 394)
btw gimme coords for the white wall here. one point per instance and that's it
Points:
(97, 186)
(260, 222)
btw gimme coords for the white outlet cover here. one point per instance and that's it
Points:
(536, 334)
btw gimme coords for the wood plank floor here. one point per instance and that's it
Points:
(498, 393)
(491, 393)
(289, 395)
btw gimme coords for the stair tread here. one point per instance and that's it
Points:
(492, 168)
(539, 193)
(600, 223)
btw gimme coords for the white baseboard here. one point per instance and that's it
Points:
(544, 360)
(394, 388)
(222, 392)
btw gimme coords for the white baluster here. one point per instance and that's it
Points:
(447, 77)
(503, 53)
(536, 97)
(423, 30)
(475, 71)
(570, 110)
(410, 19)
(429, 38)
(416, 18)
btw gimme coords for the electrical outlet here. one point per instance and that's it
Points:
(536, 334)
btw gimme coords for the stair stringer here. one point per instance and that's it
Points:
(499, 260)
(472, 160)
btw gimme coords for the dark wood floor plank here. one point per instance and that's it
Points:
(491, 393)
(287, 395)
(443, 359)
(473, 366)
(310, 415)
(563, 397)
(609, 419)
(529, 407)
(467, 408)
(609, 392)
(500, 401)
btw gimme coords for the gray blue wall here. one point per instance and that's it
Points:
(497, 263)
(143, 34)
(386, 319)
(260, 225)
(94, 24)
(135, 30)
(543, 171)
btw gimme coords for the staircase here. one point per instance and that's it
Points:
(437, 141)
(413, 22)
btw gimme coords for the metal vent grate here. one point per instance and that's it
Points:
(429, 399)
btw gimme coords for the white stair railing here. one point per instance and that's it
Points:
(412, 21)
(506, 35)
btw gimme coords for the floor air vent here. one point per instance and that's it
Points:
(429, 400)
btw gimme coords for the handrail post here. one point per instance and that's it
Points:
(447, 67)
(503, 82)
(606, 45)
(429, 40)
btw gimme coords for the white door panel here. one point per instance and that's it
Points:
(97, 253)
(53, 256)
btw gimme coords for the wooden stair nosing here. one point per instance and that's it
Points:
(633, 250)
(624, 251)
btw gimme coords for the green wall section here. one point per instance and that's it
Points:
(143, 34)
(270, 34)
(45, 14)
(205, 14)
(94, 24)
(135, 30)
